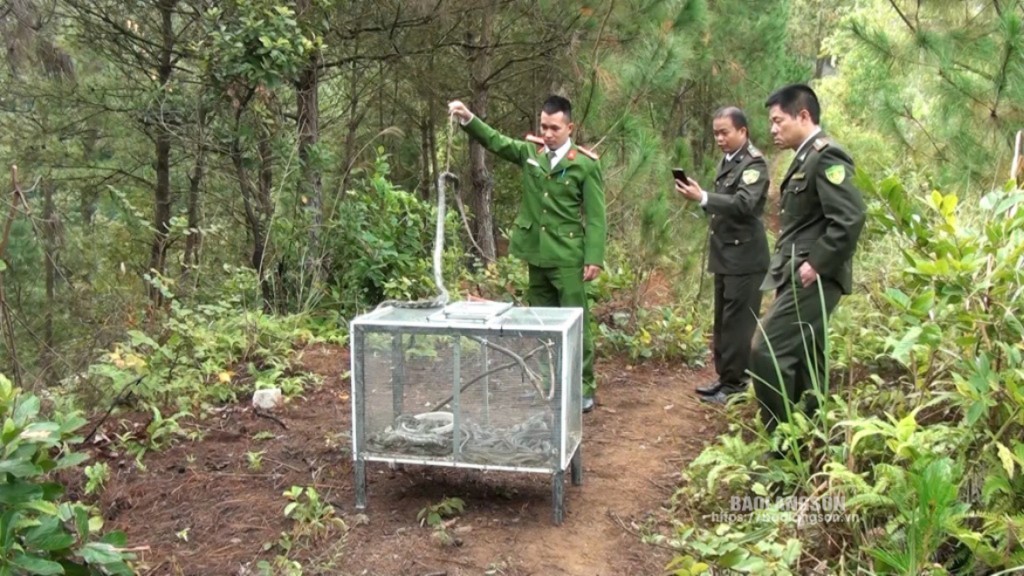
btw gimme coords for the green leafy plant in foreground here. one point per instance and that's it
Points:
(40, 533)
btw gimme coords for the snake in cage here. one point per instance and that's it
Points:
(526, 444)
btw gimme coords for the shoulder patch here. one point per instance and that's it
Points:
(535, 139)
(754, 152)
(588, 153)
(750, 176)
(835, 174)
(820, 144)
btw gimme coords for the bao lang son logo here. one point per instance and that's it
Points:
(802, 509)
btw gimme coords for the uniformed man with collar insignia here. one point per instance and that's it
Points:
(560, 227)
(738, 254)
(822, 214)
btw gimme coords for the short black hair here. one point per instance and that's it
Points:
(555, 104)
(794, 98)
(738, 118)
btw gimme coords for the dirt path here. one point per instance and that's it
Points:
(203, 510)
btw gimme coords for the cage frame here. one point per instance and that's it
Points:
(432, 323)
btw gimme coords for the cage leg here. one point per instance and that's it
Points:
(576, 466)
(360, 470)
(558, 496)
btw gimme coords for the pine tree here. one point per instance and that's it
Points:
(944, 81)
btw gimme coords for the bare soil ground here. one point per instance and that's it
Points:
(201, 509)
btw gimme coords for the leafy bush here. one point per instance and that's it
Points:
(193, 357)
(506, 280)
(39, 532)
(664, 333)
(922, 443)
(383, 245)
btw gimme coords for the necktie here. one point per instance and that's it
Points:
(551, 158)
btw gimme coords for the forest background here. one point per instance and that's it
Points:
(203, 186)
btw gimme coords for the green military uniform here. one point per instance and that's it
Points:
(822, 216)
(738, 257)
(560, 226)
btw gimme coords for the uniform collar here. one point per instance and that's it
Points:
(815, 134)
(738, 153)
(560, 152)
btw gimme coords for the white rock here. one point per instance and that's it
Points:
(267, 399)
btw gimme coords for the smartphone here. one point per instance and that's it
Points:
(679, 174)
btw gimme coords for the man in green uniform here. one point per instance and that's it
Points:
(822, 214)
(738, 254)
(560, 228)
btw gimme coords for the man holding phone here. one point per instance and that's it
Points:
(738, 255)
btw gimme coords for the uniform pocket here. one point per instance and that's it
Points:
(796, 197)
(796, 187)
(734, 240)
(570, 230)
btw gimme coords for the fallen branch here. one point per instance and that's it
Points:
(520, 361)
(263, 414)
(615, 517)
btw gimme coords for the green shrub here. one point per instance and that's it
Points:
(382, 245)
(921, 440)
(40, 533)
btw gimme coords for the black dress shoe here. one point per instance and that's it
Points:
(709, 389)
(717, 398)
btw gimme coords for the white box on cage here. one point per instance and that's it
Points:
(474, 385)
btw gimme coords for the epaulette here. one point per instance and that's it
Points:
(820, 144)
(535, 139)
(754, 152)
(588, 153)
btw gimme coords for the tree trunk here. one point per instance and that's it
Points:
(483, 185)
(426, 182)
(162, 194)
(252, 201)
(266, 216)
(310, 183)
(355, 119)
(50, 230)
(194, 240)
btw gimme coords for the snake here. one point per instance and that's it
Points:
(441, 299)
(527, 444)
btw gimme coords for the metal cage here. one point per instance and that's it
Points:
(473, 385)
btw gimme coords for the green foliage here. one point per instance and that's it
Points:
(281, 566)
(255, 460)
(386, 244)
(193, 358)
(927, 462)
(40, 533)
(663, 333)
(96, 477)
(158, 434)
(433, 515)
(312, 516)
(257, 42)
(744, 551)
(941, 84)
(505, 279)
